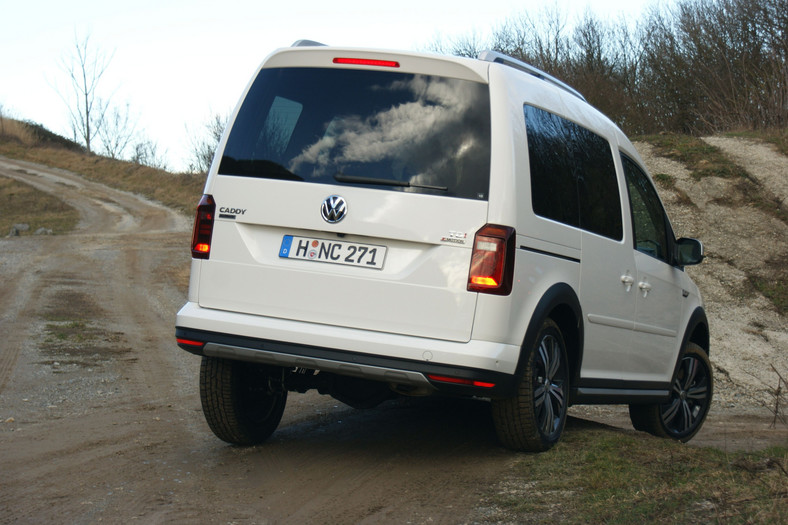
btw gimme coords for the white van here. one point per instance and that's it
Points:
(383, 223)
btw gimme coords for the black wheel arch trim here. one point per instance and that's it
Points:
(697, 332)
(560, 303)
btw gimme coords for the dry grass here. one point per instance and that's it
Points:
(705, 160)
(600, 475)
(23, 204)
(702, 159)
(18, 131)
(178, 191)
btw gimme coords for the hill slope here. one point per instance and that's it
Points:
(741, 223)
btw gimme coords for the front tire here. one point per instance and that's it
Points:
(534, 419)
(681, 417)
(242, 402)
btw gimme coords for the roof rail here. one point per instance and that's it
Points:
(500, 58)
(306, 43)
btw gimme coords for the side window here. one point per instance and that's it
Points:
(648, 217)
(553, 183)
(573, 177)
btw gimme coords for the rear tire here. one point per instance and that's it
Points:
(534, 419)
(242, 402)
(681, 417)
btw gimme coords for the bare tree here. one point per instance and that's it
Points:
(468, 45)
(117, 131)
(713, 65)
(541, 40)
(146, 154)
(84, 68)
(204, 147)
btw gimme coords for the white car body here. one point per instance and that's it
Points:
(411, 319)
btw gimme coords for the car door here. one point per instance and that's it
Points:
(658, 301)
(607, 292)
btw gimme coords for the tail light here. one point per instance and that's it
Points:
(460, 381)
(492, 261)
(366, 62)
(189, 343)
(203, 228)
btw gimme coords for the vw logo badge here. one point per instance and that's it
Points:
(334, 209)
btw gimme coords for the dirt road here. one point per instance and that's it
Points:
(100, 418)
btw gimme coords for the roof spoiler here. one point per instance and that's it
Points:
(500, 58)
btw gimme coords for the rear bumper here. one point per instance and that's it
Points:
(349, 352)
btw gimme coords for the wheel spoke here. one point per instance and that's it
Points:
(686, 416)
(698, 392)
(554, 362)
(549, 398)
(557, 395)
(547, 416)
(670, 412)
(691, 371)
(539, 395)
(544, 356)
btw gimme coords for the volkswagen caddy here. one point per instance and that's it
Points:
(383, 223)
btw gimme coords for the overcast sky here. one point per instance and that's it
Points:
(178, 62)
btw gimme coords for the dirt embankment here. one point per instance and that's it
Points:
(743, 242)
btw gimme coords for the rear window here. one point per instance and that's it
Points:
(396, 131)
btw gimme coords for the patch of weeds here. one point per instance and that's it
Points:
(702, 159)
(751, 193)
(23, 204)
(71, 331)
(772, 283)
(665, 180)
(601, 475)
(80, 343)
(774, 290)
(668, 182)
(778, 407)
(69, 305)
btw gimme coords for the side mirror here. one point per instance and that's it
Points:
(689, 251)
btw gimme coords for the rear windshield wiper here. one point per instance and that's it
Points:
(256, 168)
(353, 179)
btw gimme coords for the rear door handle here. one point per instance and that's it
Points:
(644, 287)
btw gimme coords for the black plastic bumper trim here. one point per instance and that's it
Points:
(504, 383)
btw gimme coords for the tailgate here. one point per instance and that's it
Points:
(397, 262)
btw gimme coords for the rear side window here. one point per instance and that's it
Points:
(395, 131)
(573, 176)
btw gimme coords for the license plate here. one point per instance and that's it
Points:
(332, 252)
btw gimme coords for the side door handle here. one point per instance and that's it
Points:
(644, 287)
(628, 281)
